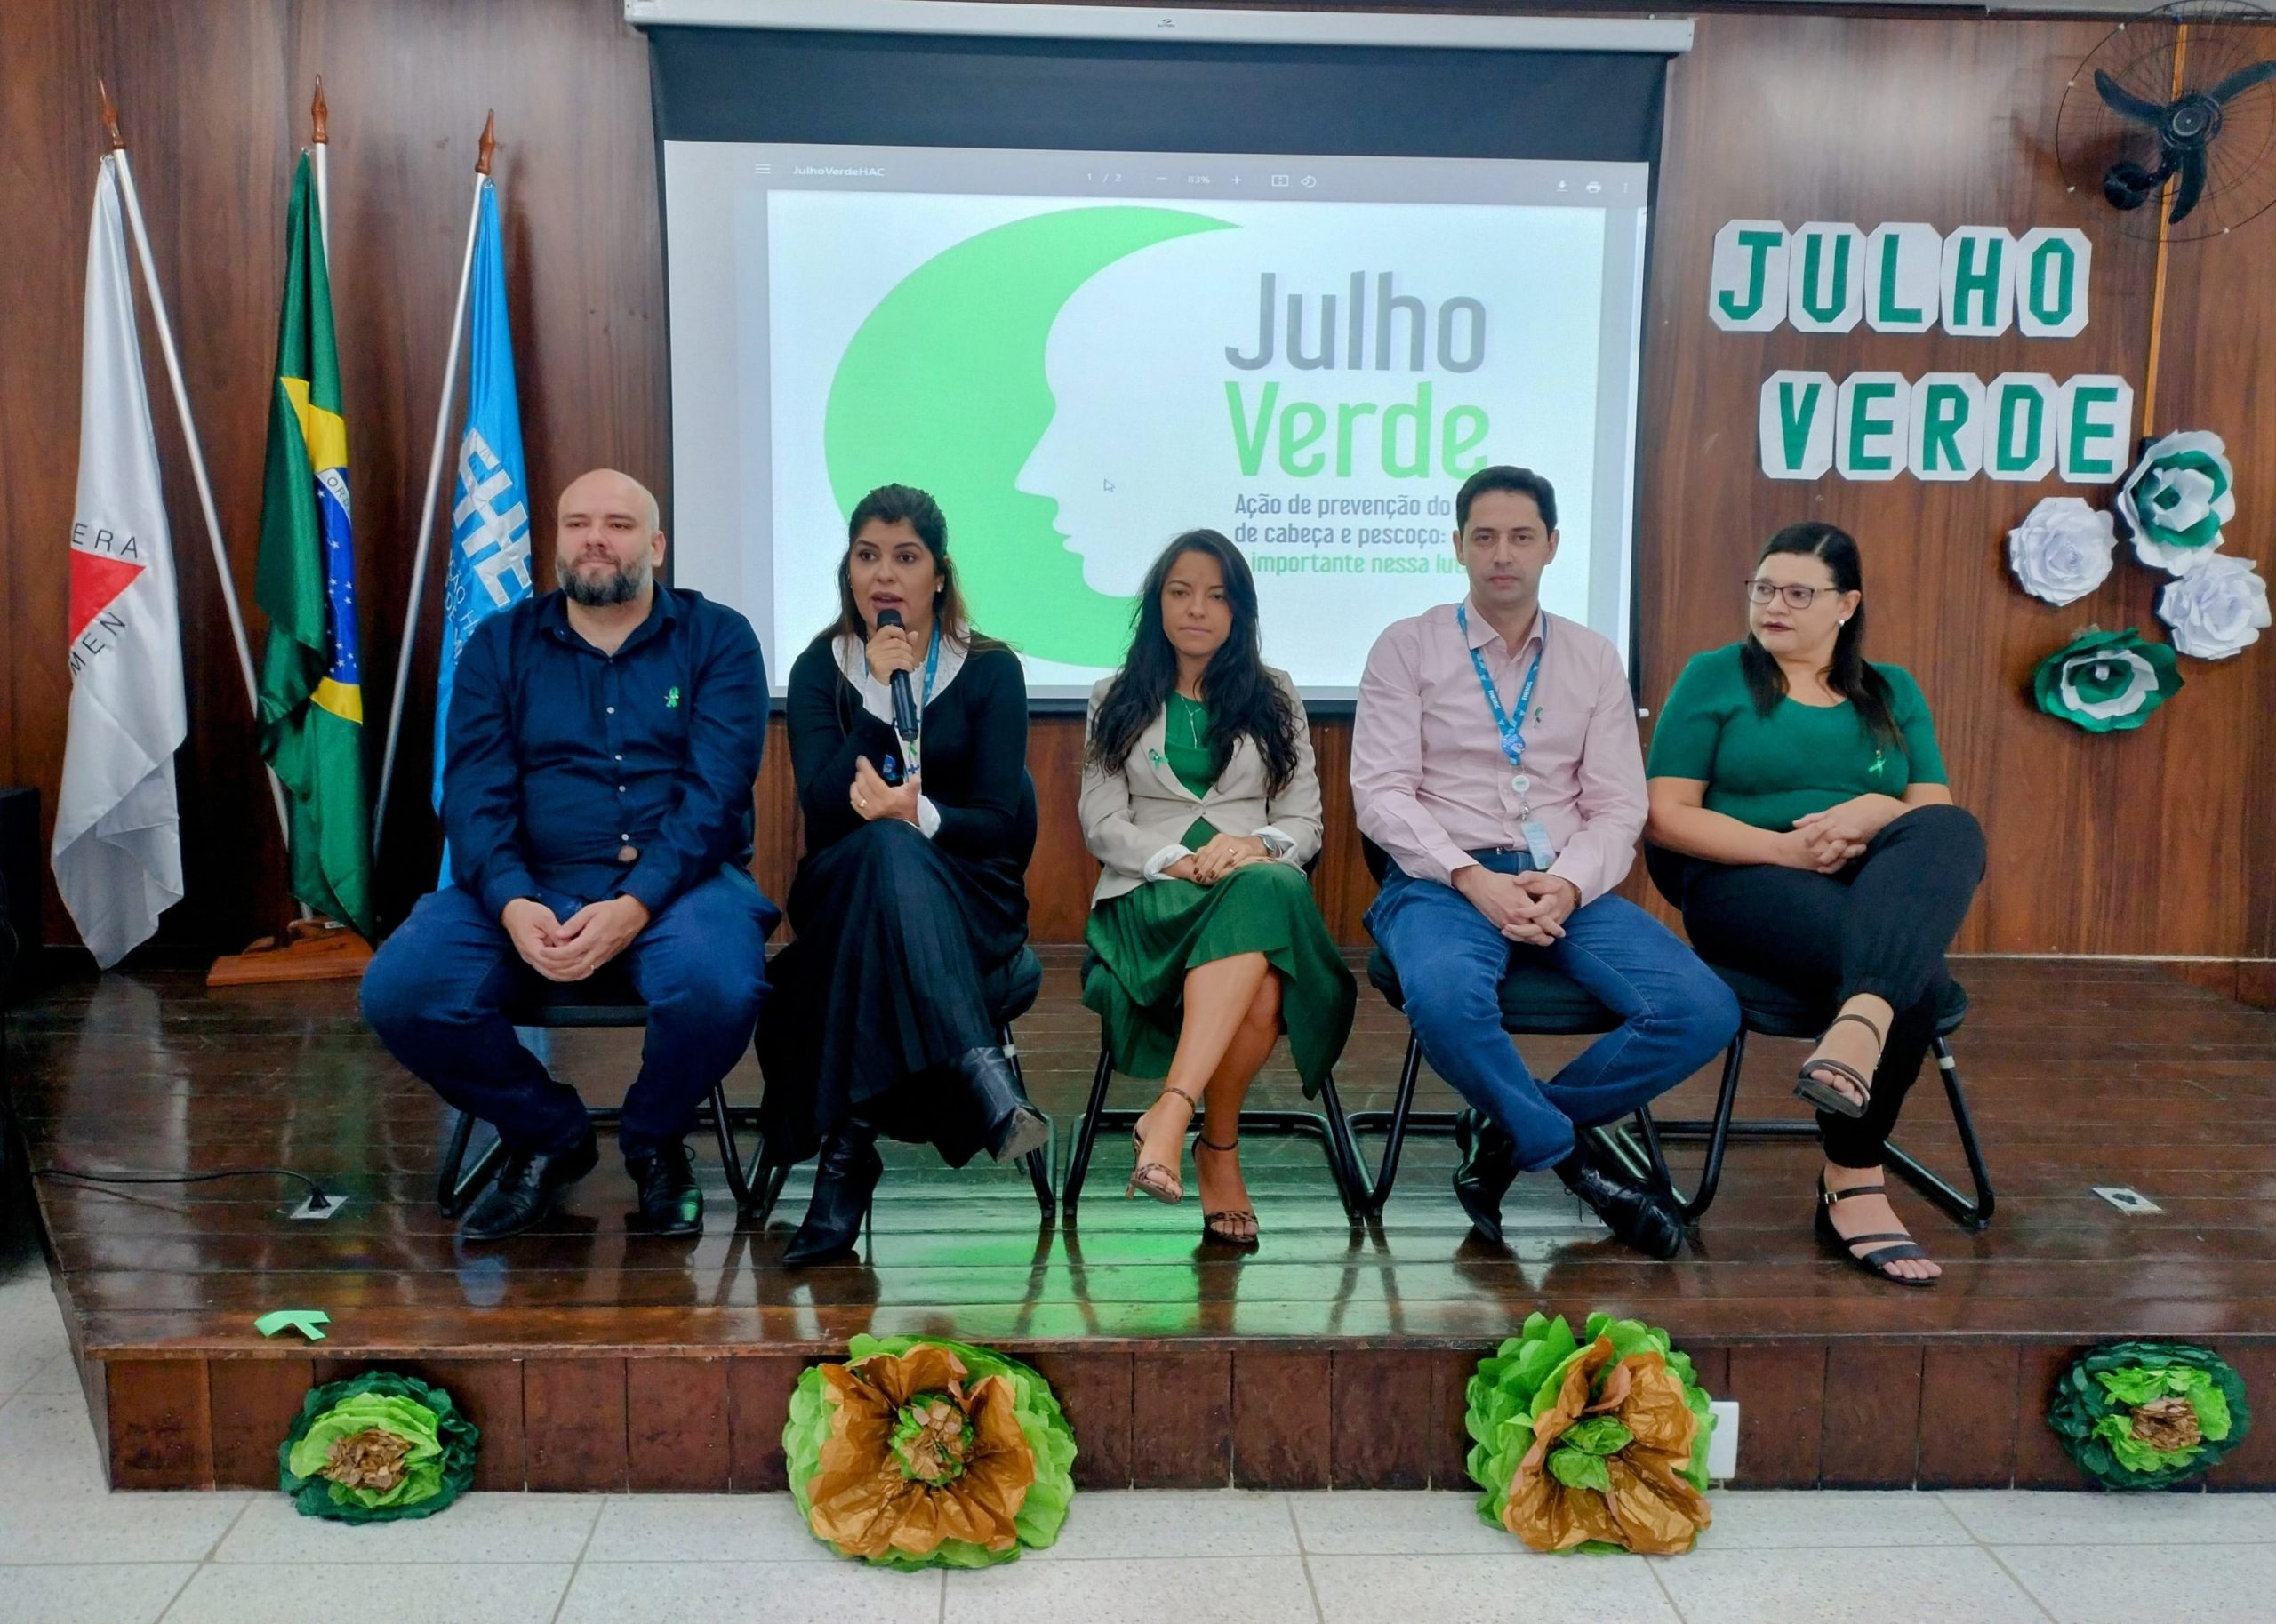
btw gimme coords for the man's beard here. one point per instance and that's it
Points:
(621, 585)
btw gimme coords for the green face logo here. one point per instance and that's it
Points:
(943, 388)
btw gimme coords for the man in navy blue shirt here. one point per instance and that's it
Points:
(601, 747)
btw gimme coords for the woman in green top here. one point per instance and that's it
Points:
(1201, 803)
(1800, 819)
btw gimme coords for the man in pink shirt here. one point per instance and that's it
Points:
(1494, 759)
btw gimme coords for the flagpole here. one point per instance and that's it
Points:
(188, 431)
(434, 490)
(322, 114)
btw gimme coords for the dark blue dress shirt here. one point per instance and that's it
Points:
(603, 775)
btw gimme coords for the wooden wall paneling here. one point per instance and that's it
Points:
(1873, 1415)
(1180, 1420)
(1968, 1418)
(759, 1404)
(1279, 1440)
(1094, 1390)
(2039, 1461)
(1945, 119)
(675, 1425)
(1381, 1417)
(160, 1424)
(1780, 1387)
(574, 1413)
(253, 1403)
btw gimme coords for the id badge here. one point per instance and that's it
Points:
(1537, 844)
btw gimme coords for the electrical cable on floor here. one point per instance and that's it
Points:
(318, 1201)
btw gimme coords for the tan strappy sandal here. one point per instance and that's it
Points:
(1236, 1226)
(1162, 1183)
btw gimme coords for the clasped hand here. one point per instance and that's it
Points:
(1829, 841)
(1529, 908)
(1224, 855)
(873, 798)
(572, 949)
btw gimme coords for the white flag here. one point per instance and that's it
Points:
(117, 850)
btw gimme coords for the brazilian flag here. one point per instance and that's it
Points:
(311, 725)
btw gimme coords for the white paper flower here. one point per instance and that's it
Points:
(2062, 550)
(2217, 609)
(2176, 499)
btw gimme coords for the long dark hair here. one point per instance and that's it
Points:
(893, 505)
(1244, 700)
(1850, 676)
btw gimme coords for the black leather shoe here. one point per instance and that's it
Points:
(1014, 1126)
(845, 1179)
(1490, 1161)
(527, 1187)
(1634, 1213)
(670, 1201)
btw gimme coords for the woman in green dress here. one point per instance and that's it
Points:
(1200, 800)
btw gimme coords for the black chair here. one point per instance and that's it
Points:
(1024, 985)
(1328, 1126)
(606, 1000)
(1768, 1010)
(1537, 1000)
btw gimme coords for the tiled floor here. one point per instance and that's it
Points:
(72, 1554)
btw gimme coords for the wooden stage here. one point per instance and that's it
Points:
(593, 1359)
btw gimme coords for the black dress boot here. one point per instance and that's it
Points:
(528, 1186)
(845, 1177)
(1011, 1125)
(671, 1202)
(1490, 1161)
(1636, 1214)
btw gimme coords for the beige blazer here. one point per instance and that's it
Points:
(1131, 816)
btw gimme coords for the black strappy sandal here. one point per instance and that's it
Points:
(1213, 1225)
(1162, 1183)
(1902, 1248)
(1824, 1095)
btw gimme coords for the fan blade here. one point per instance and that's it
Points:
(2242, 80)
(2192, 184)
(2123, 100)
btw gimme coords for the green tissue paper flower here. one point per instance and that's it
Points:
(2146, 1415)
(1518, 1383)
(2106, 682)
(376, 1448)
(921, 1487)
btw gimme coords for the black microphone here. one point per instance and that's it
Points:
(904, 698)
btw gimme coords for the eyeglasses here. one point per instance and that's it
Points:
(1797, 596)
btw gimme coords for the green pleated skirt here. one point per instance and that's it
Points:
(1145, 940)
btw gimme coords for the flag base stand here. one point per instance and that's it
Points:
(312, 951)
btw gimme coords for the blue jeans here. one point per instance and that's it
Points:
(1677, 1014)
(436, 991)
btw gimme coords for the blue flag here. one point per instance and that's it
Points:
(490, 518)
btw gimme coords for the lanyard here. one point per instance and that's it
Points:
(1513, 738)
(932, 671)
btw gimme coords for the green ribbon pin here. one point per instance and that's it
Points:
(671, 700)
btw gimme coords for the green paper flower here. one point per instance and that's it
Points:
(939, 1454)
(376, 1448)
(2176, 499)
(2106, 682)
(1518, 1383)
(2146, 1415)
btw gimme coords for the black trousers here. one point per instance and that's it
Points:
(1881, 925)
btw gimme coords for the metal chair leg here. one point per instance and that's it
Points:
(1343, 1161)
(1395, 1134)
(731, 1159)
(1717, 1132)
(454, 1188)
(1976, 1214)
(1086, 1133)
(1039, 1162)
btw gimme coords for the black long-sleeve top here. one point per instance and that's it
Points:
(602, 775)
(975, 764)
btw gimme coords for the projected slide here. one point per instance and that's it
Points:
(1082, 355)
